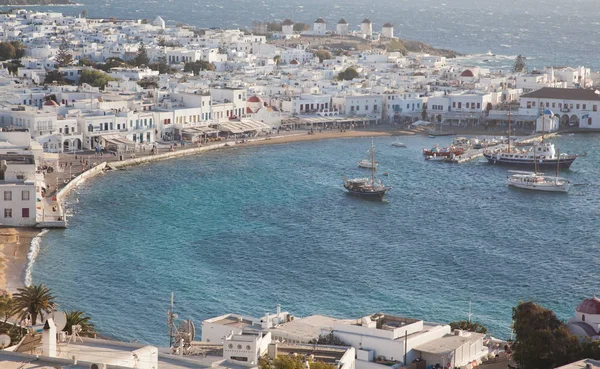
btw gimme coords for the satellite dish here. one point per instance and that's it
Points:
(186, 331)
(60, 319)
(4, 340)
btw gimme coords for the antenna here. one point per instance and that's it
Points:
(75, 329)
(171, 316)
(60, 319)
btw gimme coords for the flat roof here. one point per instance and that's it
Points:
(581, 364)
(448, 343)
(307, 328)
(234, 321)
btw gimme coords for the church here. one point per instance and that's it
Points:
(586, 322)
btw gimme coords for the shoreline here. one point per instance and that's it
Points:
(17, 259)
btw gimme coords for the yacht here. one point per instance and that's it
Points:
(538, 182)
(543, 155)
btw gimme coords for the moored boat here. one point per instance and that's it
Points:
(399, 144)
(444, 151)
(366, 163)
(538, 182)
(367, 187)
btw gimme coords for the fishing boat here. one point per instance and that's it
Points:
(542, 155)
(399, 144)
(444, 151)
(367, 187)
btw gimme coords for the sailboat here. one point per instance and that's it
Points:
(367, 187)
(538, 181)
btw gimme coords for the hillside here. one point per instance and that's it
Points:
(34, 2)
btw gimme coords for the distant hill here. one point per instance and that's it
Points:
(34, 2)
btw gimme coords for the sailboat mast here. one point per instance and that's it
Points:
(509, 108)
(372, 164)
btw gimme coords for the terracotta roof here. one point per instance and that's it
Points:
(589, 306)
(255, 99)
(320, 20)
(563, 94)
(342, 21)
(366, 20)
(287, 22)
(388, 25)
(467, 73)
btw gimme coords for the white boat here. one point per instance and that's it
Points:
(435, 157)
(538, 182)
(366, 163)
(399, 144)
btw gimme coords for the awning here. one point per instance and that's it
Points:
(117, 140)
(245, 125)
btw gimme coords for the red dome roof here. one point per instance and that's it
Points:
(50, 103)
(255, 99)
(294, 62)
(467, 73)
(589, 306)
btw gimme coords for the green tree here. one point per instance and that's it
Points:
(323, 54)
(6, 307)
(347, 75)
(542, 340)
(84, 13)
(196, 67)
(110, 63)
(33, 300)
(277, 59)
(63, 57)
(301, 27)
(162, 66)
(321, 365)
(95, 78)
(519, 65)
(141, 57)
(462, 324)
(19, 49)
(148, 82)
(328, 339)
(160, 41)
(76, 317)
(7, 51)
(55, 76)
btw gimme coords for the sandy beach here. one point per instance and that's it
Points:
(14, 246)
(325, 135)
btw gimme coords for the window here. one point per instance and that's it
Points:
(25, 195)
(8, 213)
(584, 106)
(577, 106)
(454, 104)
(589, 121)
(25, 213)
(460, 105)
(595, 107)
(554, 105)
(533, 104)
(90, 128)
(478, 105)
(7, 195)
(583, 317)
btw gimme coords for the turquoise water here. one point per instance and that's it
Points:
(243, 229)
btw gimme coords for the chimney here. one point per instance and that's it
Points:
(49, 338)
(278, 313)
(266, 324)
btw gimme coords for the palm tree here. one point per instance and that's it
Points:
(76, 317)
(33, 300)
(6, 307)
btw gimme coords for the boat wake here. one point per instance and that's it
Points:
(34, 250)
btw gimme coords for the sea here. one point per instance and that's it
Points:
(243, 229)
(546, 32)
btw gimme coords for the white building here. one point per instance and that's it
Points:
(387, 30)
(366, 28)
(576, 107)
(586, 322)
(21, 185)
(287, 27)
(364, 106)
(320, 27)
(342, 27)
